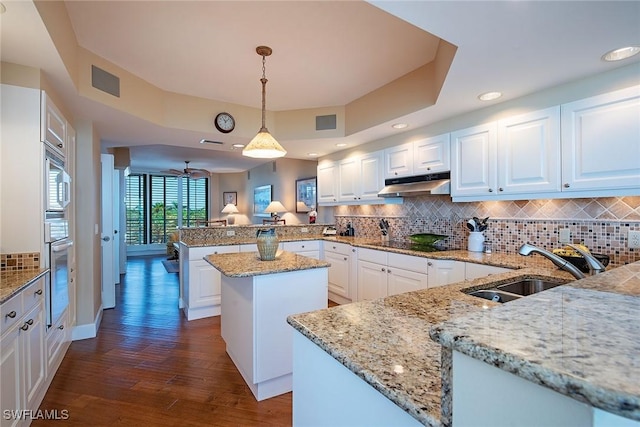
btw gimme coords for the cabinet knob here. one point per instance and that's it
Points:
(567, 185)
(25, 326)
(389, 271)
(11, 314)
(61, 327)
(430, 264)
(106, 238)
(428, 169)
(383, 269)
(38, 292)
(491, 190)
(334, 247)
(353, 250)
(30, 321)
(302, 246)
(500, 189)
(345, 258)
(60, 145)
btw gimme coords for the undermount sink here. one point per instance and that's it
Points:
(528, 286)
(515, 290)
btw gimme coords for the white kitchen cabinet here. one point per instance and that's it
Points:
(473, 161)
(432, 155)
(22, 351)
(601, 142)
(529, 153)
(517, 155)
(398, 161)
(382, 273)
(327, 183)
(308, 248)
(445, 272)
(342, 272)
(360, 178)
(475, 271)
(53, 127)
(201, 281)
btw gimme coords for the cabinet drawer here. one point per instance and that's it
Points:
(199, 253)
(33, 294)
(339, 248)
(371, 255)
(11, 312)
(301, 246)
(408, 262)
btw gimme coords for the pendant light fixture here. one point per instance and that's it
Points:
(263, 145)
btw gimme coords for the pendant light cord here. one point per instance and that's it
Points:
(264, 96)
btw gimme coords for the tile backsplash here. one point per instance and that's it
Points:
(601, 224)
(20, 261)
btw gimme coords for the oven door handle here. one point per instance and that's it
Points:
(61, 247)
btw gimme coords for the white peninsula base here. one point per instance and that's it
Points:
(254, 324)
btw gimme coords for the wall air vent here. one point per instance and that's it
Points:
(104, 81)
(326, 122)
(209, 141)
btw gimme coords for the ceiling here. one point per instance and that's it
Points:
(325, 53)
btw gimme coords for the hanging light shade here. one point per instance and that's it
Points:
(263, 145)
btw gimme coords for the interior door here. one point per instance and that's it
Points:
(107, 236)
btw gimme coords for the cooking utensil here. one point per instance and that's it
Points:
(472, 225)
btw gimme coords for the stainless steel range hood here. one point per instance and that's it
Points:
(421, 185)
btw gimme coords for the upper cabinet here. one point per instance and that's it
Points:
(327, 182)
(429, 155)
(53, 126)
(601, 142)
(473, 166)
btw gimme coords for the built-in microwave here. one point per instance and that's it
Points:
(57, 185)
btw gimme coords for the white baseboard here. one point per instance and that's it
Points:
(88, 330)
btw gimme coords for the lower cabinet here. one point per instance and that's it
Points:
(445, 272)
(475, 271)
(342, 272)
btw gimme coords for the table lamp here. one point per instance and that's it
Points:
(230, 209)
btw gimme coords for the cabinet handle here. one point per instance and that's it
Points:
(61, 327)
(430, 264)
(24, 327)
(302, 246)
(334, 247)
(38, 292)
(428, 169)
(491, 190)
(345, 258)
(353, 250)
(60, 145)
(11, 315)
(500, 189)
(383, 269)
(566, 185)
(30, 321)
(389, 271)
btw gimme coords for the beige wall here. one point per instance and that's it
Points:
(87, 242)
(281, 174)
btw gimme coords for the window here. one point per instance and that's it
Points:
(157, 205)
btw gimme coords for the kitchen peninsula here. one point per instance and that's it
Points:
(381, 351)
(257, 296)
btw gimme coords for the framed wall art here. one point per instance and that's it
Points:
(261, 199)
(229, 197)
(306, 200)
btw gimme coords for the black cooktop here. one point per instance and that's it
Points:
(401, 244)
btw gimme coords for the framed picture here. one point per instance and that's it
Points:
(306, 197)
(229, 197)
(261, 199)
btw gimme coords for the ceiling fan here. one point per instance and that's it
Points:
(188, 172)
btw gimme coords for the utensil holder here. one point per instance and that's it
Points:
(476, 241)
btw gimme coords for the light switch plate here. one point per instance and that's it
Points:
(634, 239)
(565, 235)
(304, 230)
(231, 233)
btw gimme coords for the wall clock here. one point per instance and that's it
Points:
(224, 122)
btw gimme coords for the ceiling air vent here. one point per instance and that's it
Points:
(326, 122)
(104, 81)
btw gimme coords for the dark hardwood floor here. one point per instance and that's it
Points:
(149, 366)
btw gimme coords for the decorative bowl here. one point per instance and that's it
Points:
(426, 239)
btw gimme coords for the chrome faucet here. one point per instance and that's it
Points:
(527, 249)
(595, 266)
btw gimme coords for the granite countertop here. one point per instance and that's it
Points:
(247, 264)
(239, 240)
(581, 340)
(12, 282)
(386, 342)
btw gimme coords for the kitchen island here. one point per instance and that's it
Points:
(257, 297)
(384, 347)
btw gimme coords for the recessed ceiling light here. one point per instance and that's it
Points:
(489, 96)
(399, 125)
(312, 154)
(620, 54)
(238, 145)
(341, 144)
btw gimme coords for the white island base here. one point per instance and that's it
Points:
(254, 324)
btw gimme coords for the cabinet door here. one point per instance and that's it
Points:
(474, 271)
(601, 142)
(348, 181)
(54, 126)
(529, 152)
(204, 284)
(327, 183)
(372, 281)
(473, 156)
(401, 281)
(371, 178)
(432, 155)
(339, 273)
(10, 361)
(32, 354)
(398, 161)
(445, 272)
